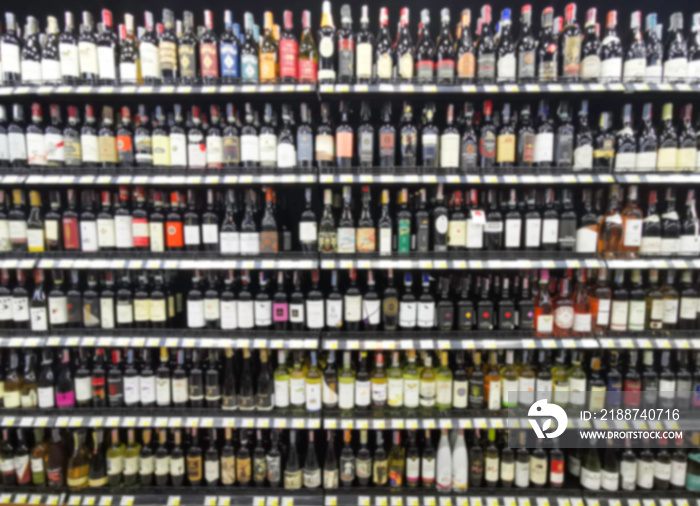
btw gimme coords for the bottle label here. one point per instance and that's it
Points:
(366, 147)
(533, 232)
(506, 148)
(229, 59)
(209, 59)
(634, 69)
(572, 56)
(54, 148)
(590, 67)
(676, 69)
(363, 60)
(487, 146)
(215, 151)
(68, 55)
(466, 66)
(50, 71)
(106, 58)
(249, 67)
(178, 150)
(18, 148)
(564, 149)
(544, 147)
(268, 66)
(385, 66)
(250, 148)
(513, 233)
(196, 151)
(308, 70)
(506, 68)
(406, 65)
(314, 314)
(305, 148)
(407, 314)
(289, 53)
(587, 240)
(486, 66)
(36, 149)
(87, 52)
(150, 64)
(526, 64)
(346, 48)
(619, 316)
(371, 311)
(449, 150)
(424, 70)
(127, 72)
(107, 148)
(445, 70)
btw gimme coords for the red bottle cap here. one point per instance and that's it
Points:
(486, 13)
(488, 107)
(209, 19)
(288, 20)
(383, 16)
(107, 18)
(570, 12)
(612, 19)
(527, 9)
(306, 20)
(122, 32)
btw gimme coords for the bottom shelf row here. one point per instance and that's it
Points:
(393, 499)
(294, 461)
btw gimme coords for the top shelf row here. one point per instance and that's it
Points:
(334, 89)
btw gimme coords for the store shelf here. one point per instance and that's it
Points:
(474, 260)
(168, 338)
(163, 89)
(654, 263)
(418, 175)
(494, 420)
(511, 497)
(44, 418)
(450, 340)
(41, 498)
(651, 340)
(414, 88)
(235, 496)
(173, 260)
(687, 177)
(160, 176)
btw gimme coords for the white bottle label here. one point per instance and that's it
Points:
(583, 157)
(544, 147)
(267, 148)
(407, 314)
(88, 235)
(676, 69)
(590, 479)
(611, 69)
(195, 314)
(246, 318)
(88, 57)
(334, 314)
(250, 151)
(550, 231)
(513, 233)
(178, 150)
(230, 243)
(215, 150)
(633, 232)
(533, 232)
(105, 233)
(9, 55)
(449, 150)
(645, 161)
(69, 59)
(371, 311)
(229, 314)
(282, 393)
(634, 69)
(39, 319)
(105, 57)
(123, 232)
(286, 155)
(314, 314)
